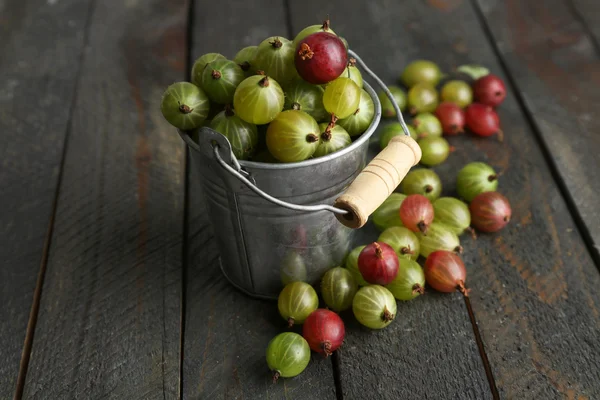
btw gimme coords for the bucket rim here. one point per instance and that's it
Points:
(364, 137)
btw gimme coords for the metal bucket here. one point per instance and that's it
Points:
(267, 229)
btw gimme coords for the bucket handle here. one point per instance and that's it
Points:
(369, 189)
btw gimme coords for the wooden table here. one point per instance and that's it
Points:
(109, 285)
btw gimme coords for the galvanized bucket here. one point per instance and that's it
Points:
(268, 229)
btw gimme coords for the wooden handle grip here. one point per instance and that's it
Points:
(377, 181)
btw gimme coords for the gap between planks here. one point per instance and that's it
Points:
(553, 168)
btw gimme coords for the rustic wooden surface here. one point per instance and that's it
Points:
(556, 66)
(109, 318)
(36, 93)
(133, 304)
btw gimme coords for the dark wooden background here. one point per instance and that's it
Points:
(109, 285)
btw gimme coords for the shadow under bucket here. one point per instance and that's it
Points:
(268, 229)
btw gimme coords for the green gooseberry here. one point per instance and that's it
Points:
(388, 213)
(201, 62)
(476, 178)
(184, 105)
(422, 181)
(392, 130)
(457, 92)
(421, 71)
(410, 281)
(426, 124)
(374, 306)
(296, 301)
(288, 354)
(338, 288)
(422, 97)
(434, 150)
(387, 110)
(352, 265)
(453, 213)
(404, 242)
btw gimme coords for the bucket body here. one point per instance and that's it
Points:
(262, 244)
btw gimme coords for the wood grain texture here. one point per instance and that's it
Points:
(556, 66)
(227, 332)
(534, 284)
(109, 320)
(429, 351)
(36, 92)
(588, 12)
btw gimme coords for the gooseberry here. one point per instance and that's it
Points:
(303, 96)
(475, 178)
(387, 214)
(457, 92)
(245, 59)
(242, 135)
(352, 265)
(474, 71)
(293, 136)
(258, 100)
(275, 56)
(293, 267)
(438, 237)
(296, 301)
(422, 98)
(453, 213)
(421, 71)
(361, 119)
(452, 118)
(338, 288)
(392, 130)
(410, 281)
(374, 306)
(482, 120)
(341, 97)
(353, 72)
(200, 63)
(489, 90)
(387, 110)
(445, 272)
(324, 331)
(184, 105)
(422, 181)
(332, 138)
(404, 242)
(320, 58)
(434, 150)
(490, 211)
(416, 213)
(288, 354)
(309, 30)
(427, 125)
(378, 263)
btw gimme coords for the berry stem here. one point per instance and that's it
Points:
(264, 82)
(422, 227)
(500, 136)
(290, 322)
(245, 66)
(229, 111)
(325, 25)
(406, 250)
(378, 250)
(461, 288)
(458, 249)
(276, 375)
(352, 62)
(216, 74)
(326, 346)
(276, 43)
(492, 178)
(185, 109)
(296, 106)
(428, 188)
(326, 136)
(311, 138)
(387, 316)
(305, 52)
(417, 288)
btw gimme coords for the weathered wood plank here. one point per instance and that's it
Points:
(556, 66)
(109, 320)
(430, 350)
(227, 332)
(534, 284)
(41, 46)
(589, 13)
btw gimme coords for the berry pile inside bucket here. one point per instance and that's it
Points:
(288, 101)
